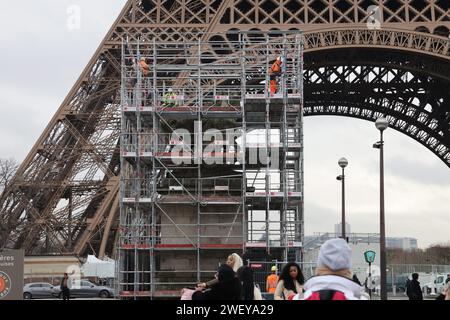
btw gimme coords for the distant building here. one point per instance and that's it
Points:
(338, 228)
(311, 242)
(401, 243)
(405, 243)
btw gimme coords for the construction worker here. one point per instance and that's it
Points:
(169, 98)
(272, 280)
(145, 69)
(275, 72)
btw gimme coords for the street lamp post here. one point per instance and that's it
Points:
(343, 163)
(382, 124)
(370, 258)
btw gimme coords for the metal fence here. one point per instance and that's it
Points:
(431, 277)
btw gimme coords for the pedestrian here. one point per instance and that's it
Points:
(272, 280)
(233, 260)
(447, 291)
(413, 290)
(442, 295)
(290, 282)
(169, 98)
(227, 286)
(250, 291)
(333, 279)
(356, 280)
(65, 287)
(448, 279)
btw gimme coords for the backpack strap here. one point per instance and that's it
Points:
(338, 295)
(327, 295)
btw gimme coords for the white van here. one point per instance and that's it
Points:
(439, 283)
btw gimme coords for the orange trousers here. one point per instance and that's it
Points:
(273, 87)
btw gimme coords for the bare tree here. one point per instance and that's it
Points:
(8, 168)
(434, 254)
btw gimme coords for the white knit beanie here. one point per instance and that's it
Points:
(335, 254)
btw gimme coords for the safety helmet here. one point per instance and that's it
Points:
(274, 268)
(170, 90)
(142, 59)
(279, 58)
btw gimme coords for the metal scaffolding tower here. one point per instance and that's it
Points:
(211, 161)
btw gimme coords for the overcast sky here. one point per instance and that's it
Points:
(41, 57)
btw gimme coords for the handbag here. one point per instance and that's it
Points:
(186, 293)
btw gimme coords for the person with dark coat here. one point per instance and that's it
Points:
(413, 290)
(228, 286)
(234, 261)
(65, 287)
(356, 280)
(250, 290)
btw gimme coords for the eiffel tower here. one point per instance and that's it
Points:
(363, 59)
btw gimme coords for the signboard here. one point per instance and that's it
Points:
(221, 188)
(11, 275)
(295, 244)
(369, 256)
(222, 97)
(256, 265)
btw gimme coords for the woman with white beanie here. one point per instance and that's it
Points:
(333, 278)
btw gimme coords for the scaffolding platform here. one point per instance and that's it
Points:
(274, 195)
(290, 146)
(191, 158)
(276, 100)
(209, 200)
(189, 112)
(188, 195)
(201, 246)
(252, 103)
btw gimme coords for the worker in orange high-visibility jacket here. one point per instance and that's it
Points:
(274, 72)
(145, 69)
(272, 281)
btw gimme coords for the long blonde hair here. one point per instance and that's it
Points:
(237, 261)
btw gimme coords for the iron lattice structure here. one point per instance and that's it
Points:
(64, 197)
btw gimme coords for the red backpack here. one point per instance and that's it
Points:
(327, 295)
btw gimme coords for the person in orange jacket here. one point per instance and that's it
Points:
(274, 72)
(145, 69)
(272, 280)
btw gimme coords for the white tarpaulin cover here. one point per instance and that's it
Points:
(94, 267)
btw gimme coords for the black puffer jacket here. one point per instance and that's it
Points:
(228, 287)
(413, 290)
